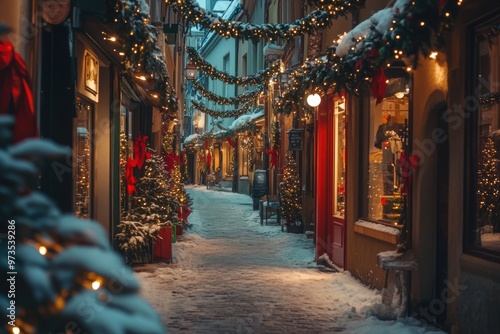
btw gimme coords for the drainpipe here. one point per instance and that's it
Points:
(236, 165)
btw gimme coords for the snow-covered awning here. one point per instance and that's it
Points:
(191, 138)
(245, 119)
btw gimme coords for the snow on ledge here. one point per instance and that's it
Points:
(378, 227)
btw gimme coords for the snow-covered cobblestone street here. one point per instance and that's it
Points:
(232, 275)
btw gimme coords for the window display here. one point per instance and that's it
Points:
(82, 158)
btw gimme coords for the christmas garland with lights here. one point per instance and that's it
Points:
(225, 114)
(142, 56)
(320, 18)
(256, 79)
(411, 32)
(246, 97)
(489, 99)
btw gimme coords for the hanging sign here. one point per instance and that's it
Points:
(295, 139)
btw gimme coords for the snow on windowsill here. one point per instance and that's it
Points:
(378, 227)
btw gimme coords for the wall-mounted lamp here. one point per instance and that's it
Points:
(314, 100)
(190, 72)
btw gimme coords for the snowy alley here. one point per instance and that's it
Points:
(232, 275)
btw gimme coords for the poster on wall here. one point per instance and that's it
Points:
(91, 72)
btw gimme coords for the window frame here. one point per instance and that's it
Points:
(471, 142)
(366, 143)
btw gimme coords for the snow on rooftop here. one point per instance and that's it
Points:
(191, 138)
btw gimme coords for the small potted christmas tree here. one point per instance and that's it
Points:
(290, 197)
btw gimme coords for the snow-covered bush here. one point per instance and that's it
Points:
(63, 275)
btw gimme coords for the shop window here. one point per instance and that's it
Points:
(82, 158)
(339, 158)
(385, 128)
(483, 226)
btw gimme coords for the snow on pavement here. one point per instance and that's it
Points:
(232, 275)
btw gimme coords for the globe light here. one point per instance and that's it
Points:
(314, 100)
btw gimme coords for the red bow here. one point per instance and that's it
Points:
(140, 150)
(15, 91)
(231, 141)
(409, 165)
(183, 212)
(170, 160)
(379, 84)
(273, 163)
(129, 175)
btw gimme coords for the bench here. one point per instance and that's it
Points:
(269, 207)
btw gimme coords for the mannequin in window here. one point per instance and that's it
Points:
(389, 141)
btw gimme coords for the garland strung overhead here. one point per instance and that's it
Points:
(141, 55)
(225, 114)
(320, 18)
(411, 32)
(205, 67)
(246, 97)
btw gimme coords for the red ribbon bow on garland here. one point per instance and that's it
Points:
(184, 212)
(273, 155)
(140, 153)
(15, 91)
(209, 160)
(379, 84)
(129, 175)
(409, 165)
(170, 160)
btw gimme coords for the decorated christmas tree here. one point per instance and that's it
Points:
(290, 193)
(153, 207)
(64, 276)
(488, 182)
(82, 185)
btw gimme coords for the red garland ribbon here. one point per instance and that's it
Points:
(207, 144)
(140, 150)
(184, 212)
(409, 165)
(171, 159)
(129, 175)
(273, 155)
(209, 160)
(231, 141)
(379, 85)
(15, 90)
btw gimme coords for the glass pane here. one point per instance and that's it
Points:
(488, 150)
(387, 120)
(82, 158)
(339, 158)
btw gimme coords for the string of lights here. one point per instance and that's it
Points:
(320, 18)
(418, 29)
(246, 97)
(208, 69)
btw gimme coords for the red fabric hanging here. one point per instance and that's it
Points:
(379, 85)
(140, 150)
(409, 166)
(209, 160)
(170, 160)
(15, 90)
(129, 175)
(273, 155)
(231, 141)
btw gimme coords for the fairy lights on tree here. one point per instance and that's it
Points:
(290, 194)
(488, 181)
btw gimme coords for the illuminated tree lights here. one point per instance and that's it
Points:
(290, 194)
(412, 32)
(257, 79)
(317, 19)
(488, 181)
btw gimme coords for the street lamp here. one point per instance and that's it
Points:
(190, 71)
(314, 100)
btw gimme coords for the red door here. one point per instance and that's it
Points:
(330, 179)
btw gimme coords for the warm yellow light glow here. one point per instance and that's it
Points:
(433, 55)
(314, 100)
(141, 77)
(42, 250)
(399, 95)
(16, 330)
(96, 285)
